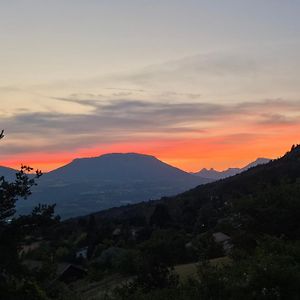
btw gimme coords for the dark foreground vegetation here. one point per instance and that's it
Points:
(133, 252)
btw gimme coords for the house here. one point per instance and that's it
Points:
(224, 239)
(68, 273)
(25, 249)
(117, 232)
(221, 237)
(136, 232)
(65, 272)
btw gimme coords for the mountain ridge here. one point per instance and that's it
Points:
(216, 175)
(109, 164)
(8, 173)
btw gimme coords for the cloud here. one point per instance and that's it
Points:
(126, 89)
(87, 102)
(202, 69)
(131, 121)
(9, 88)
(223, 75)
(278, 119)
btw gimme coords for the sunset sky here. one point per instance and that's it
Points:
(195, 83)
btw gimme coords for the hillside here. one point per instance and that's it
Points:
(8, 173)
(264, 193)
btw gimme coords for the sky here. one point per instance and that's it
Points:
(195, 83)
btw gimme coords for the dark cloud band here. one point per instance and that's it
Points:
(134, 120)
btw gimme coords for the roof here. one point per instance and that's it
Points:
(62, 267)
(117, 231)
(221, 237)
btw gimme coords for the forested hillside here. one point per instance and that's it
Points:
(258, 211)
(264, 192)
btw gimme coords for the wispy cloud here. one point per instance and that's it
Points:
(131, 121)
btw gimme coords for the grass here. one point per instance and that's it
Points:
(186, 271)
(94, 290)
(190, 270)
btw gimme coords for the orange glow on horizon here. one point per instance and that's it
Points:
(190, 155)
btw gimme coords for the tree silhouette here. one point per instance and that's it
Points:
(13, 230)
(160, 216)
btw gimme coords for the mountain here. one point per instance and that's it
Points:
(216, 175)
(258, 161)
(87, 185)
(261, 200)
(119, 167)
(8, 173)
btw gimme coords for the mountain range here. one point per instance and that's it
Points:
(261, 200)
(92, 184)
(216, 175)
(88, 185)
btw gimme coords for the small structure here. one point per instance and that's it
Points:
(224, 239)
(25, 249)
(117, 232)
(65, 272)
(136, 232)
(68, 273)
(189, 245)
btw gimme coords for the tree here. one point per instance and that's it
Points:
(160, 217)
(2, 134)
(13, 230)
(10, 192)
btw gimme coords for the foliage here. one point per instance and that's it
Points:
(160, 217)
(16, 281)
(272, 272)
(259, 209)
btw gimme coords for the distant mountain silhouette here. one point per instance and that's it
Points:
(8, 173)
(216, 175)
(91, 184)
(119, 167)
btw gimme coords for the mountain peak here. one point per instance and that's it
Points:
(126, 154)
(294, 152)
(118, 155)
(216, 175)
(258, 161)
(295, 148)
(121, 167)
(91, 184)
(207, 170)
